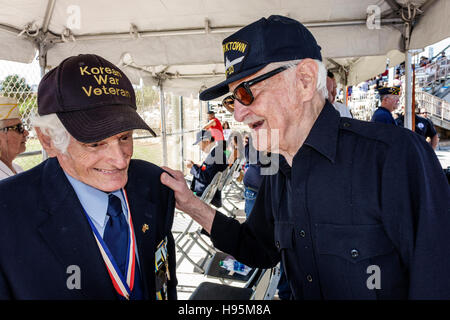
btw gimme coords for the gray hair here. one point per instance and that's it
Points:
(51, 126)
(321, 74)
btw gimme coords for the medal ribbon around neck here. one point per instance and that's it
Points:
(123, 285)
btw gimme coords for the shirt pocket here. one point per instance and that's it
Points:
(353, 243)
(348, 254)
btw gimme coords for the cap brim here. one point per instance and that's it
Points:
(222, 88)
(102, 122)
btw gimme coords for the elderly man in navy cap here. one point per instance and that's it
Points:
(88, 223)
(389, 97)
(215, 161)
(356, 210)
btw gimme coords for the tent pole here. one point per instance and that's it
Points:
(163, 122)
(408, 90)
(43, 64)
(182, 133)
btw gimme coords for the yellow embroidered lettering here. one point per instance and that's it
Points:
(88, 93)
(83, 71)
(101, 79)
(113, 81)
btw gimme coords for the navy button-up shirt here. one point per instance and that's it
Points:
(363, 213)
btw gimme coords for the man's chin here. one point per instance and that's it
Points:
(110, 186)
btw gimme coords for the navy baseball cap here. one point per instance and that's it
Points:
(202, 135)
(253, 47)
(92, 97)
(389, 90)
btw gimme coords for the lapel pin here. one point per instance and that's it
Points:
(145, 228)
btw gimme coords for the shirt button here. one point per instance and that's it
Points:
(354, 253)
(302, 233)
(278, 244)
(309, 278)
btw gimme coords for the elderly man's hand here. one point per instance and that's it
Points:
(186, 201)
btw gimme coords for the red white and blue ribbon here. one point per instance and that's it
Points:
(122, 284)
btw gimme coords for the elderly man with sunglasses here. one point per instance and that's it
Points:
(356, 210)
(13, 137)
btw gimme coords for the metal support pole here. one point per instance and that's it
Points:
(182, 133)
(43, 66)
(200, 119)
(408, 91)
(163, 123)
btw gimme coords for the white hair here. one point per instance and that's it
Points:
(51, 126)
(321, 85)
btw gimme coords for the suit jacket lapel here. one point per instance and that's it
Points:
(69, 236)
(143, 209)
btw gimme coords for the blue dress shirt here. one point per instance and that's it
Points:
(95, 203)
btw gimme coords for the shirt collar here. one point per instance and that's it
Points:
(94, 201)
(325, 131)
(322, 137)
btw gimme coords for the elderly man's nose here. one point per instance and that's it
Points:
(240, 111)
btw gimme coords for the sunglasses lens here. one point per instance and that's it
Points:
(228, 101)
(244, 96)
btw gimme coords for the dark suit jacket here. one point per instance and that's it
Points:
(43, 231)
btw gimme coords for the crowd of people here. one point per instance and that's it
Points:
(346, 195)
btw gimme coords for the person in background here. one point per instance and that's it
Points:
(13, 137)
(226, 130)
(389, 97)
(203, 174)
(423, 126)
(214, 126)
(331, 87)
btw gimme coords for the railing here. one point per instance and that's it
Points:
(436, 107)
(432, 76)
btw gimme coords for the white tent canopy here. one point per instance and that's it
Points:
(177, 43)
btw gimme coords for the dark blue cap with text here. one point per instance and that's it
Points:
(389, 90)
(250, 49)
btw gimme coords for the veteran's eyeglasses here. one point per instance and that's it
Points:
(242, 92)
(17, 127)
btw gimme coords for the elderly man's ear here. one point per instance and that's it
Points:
(46, 143)
(306, 72)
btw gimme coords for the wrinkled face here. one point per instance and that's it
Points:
(103, 164)
(270, 114)
(390, 102)
(331, 87)
(204, 145)
(12, 142)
